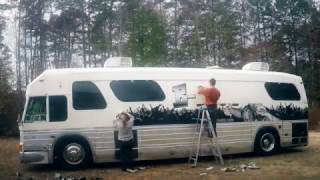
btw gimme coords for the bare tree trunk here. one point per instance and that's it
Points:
(83, 36)
(110, 30)
(95, 59)
(259, 33)
(42, 39)
(68, 53)
(89, 33)
(65, 50)
(110, 39)
(31, 56)
(265, 38)
(35, 57)
(175, 31)
(18, 54)
(120, 33)
(295, 57)
(42, 50)
(104, 53)
(26, 74)
(18, 59)
(198, 45)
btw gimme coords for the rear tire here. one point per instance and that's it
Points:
(72, 154)
(267, 142)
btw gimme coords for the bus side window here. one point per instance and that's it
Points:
(137, 90)
(57, 108)
(87, 96)
(282, 91)
(36, 109)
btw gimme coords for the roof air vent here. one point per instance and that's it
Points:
(118, 62)
(256, 66)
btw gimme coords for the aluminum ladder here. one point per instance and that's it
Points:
(204, 121)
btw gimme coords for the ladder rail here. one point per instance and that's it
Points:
(215, 139)
(215, 146)
(198, 137)
(197, 128)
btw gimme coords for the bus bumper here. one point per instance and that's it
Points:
(34, 157)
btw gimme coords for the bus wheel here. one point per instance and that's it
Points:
(267, 142)
(73, 154)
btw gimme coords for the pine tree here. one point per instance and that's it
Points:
(147, 39)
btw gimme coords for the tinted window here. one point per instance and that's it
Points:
(137, 90)
(282, 91)
(57, 108)
(36, 109)
(86, 96)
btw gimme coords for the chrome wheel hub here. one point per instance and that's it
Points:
(267, 142)
(73, 153)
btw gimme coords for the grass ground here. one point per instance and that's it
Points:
(300, 163)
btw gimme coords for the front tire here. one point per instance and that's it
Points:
(72, 154)
(267, 142)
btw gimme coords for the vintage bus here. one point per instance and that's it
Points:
(69, 113)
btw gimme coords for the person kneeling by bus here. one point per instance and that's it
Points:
(212, 95)
(123, 125)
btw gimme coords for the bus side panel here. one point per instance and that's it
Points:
(165, 141)
(235, 137)
(174, 139)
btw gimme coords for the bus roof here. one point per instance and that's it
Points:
(169, 73)
(162, 73)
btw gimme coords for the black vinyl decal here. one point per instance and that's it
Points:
(161, 115)
(289, 112)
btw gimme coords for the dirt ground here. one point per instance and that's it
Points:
(298, 163)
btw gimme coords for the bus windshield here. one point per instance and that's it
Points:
(36, 109)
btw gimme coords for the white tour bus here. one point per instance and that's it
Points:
(69, 113)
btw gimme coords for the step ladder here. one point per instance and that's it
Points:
(204, 121)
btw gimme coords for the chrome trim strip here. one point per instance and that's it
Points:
(104, 138)
(108, 142)
(186, 145)
(35, 139)
(103, 150)
(141, 128)
(71, 130)
(168, 144)
(173, 138)
(63, 132)
(148, 140)
(171, 146)
(97, 148)
(246, 130)
(148, 135)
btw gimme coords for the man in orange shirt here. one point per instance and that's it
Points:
(212, 95)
